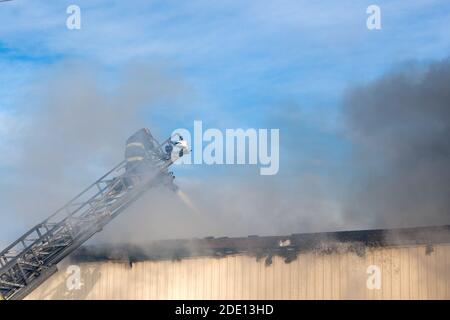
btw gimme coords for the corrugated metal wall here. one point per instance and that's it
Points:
(414, 272)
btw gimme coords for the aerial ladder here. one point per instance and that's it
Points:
(33, 258)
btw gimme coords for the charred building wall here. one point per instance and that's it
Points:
(374, 267)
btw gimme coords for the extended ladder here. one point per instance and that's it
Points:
(32, 258)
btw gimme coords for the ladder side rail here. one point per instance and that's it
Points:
(57, 255)
(95, 184)
(119, 180)
(21, 277)
(129, 198)
(40, 239)
(124, 201)
(18, 241)
(50, 232)
(53, 231)
(62, 231)
(47, 221)
(64, 224)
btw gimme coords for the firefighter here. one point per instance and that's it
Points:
(140, 148)
(182, 146)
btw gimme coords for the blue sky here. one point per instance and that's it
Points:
(235, 53)
(247, 63)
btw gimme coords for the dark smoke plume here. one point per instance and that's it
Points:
(400, 124)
